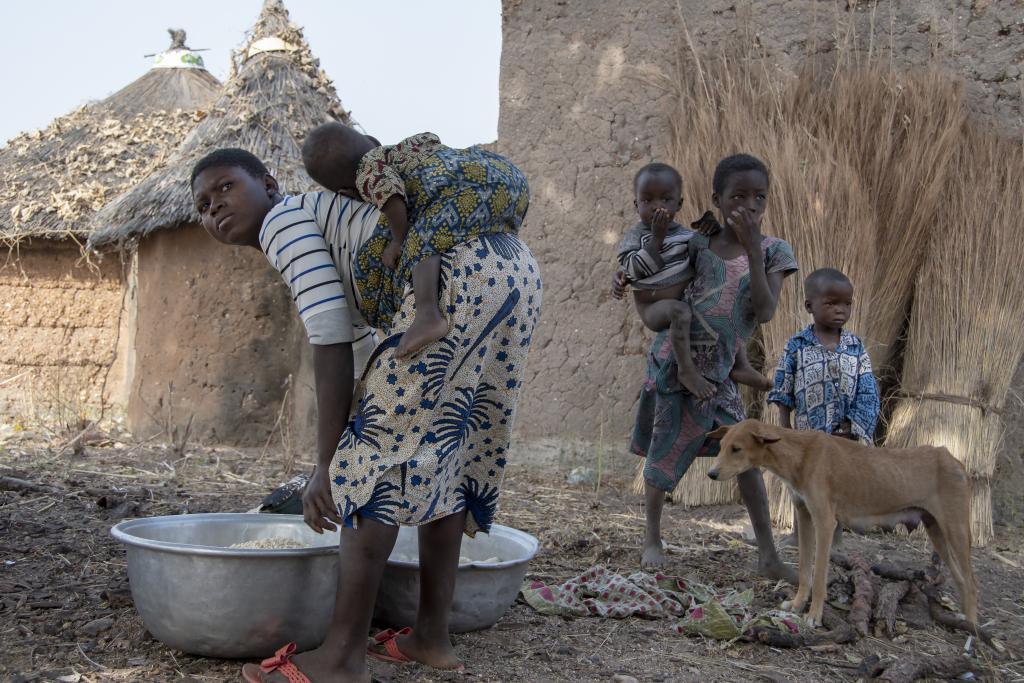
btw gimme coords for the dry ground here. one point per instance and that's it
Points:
(68, 614)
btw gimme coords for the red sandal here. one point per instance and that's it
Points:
(281, 663)
(386, 639)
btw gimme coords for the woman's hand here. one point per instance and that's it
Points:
(392, 253)
(619, 284)
(318, 507)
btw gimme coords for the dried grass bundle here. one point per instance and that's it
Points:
(964, 337)
(898, 132)
(695, 488)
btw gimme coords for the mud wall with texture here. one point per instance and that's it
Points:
(579, 117)
(59, 325)
(216, 340)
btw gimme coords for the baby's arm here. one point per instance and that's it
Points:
(639, 260)
(379, 182)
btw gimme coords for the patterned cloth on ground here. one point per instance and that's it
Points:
(451, 196)
(430, 435)
(701, 608)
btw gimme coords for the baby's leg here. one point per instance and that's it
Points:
(676, 316)
(429, 324)
(744, 373)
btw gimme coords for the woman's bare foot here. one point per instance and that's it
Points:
(653, 555)
(437, 653)
(426, 329)
(750, 377)
(695, 382)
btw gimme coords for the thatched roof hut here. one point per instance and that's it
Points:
(276, 94)
(189, 294)
(53, 180)
(65, 358)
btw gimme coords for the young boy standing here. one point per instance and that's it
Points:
(824, 380)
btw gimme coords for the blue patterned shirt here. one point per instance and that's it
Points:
(825, 387)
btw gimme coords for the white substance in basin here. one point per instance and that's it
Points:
(269, 544)
(404, 557)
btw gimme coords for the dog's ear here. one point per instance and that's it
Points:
(718, 433)
(763, 435)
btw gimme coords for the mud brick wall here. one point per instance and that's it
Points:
(59, 329)
(216, 339)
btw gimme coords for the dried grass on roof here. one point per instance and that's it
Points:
(269, 104)
(53, 180)
(163, 90)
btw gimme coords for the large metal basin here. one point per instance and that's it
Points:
(197, 595)
(483, 592)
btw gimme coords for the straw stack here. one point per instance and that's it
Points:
(898, 131)
(963, 341)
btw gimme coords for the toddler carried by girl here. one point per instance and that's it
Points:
(433, 197)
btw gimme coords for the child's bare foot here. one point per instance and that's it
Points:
(653, 555)
(695, 383)
(426, 329)
(437, 653)
(751, 378)
(778, 570)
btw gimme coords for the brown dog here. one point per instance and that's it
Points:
(836, 479)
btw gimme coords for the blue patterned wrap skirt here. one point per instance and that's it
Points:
(430, 435)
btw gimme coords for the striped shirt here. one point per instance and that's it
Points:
(313, 239)
(648, 271)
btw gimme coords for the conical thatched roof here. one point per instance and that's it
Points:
(276, 94)
(53, 180)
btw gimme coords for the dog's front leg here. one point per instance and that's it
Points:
(805, 545)
(824, 524)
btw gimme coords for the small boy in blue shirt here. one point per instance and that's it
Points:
(824, 380)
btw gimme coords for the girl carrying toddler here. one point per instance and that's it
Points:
(737, 277)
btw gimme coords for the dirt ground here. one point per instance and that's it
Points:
(68, 614)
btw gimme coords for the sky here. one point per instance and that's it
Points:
(439, 71)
